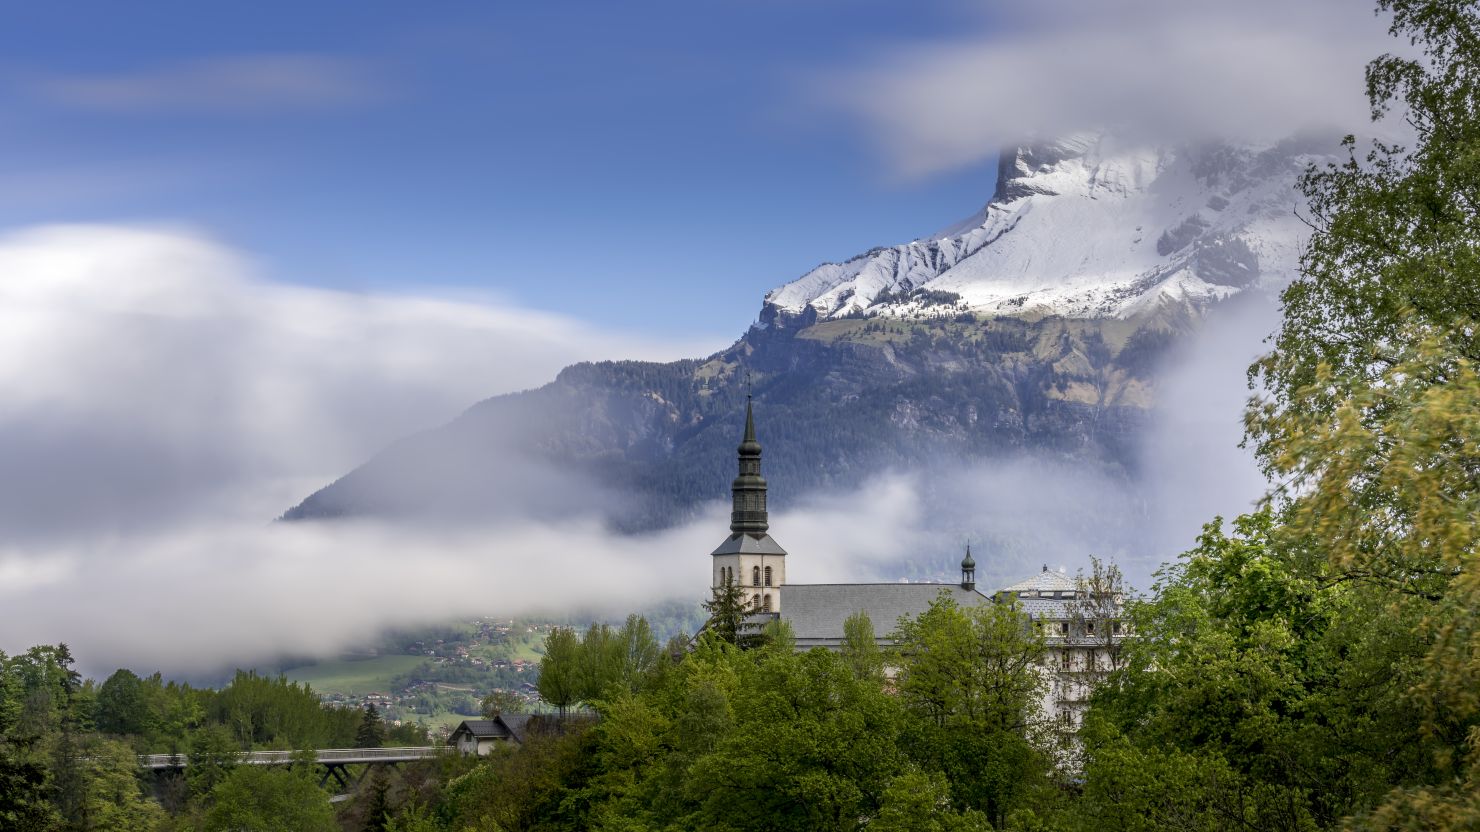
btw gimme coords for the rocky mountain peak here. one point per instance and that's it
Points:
(1086, 226)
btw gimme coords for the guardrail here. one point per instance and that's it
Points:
(335, 756)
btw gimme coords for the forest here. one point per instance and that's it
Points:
(1313, 664)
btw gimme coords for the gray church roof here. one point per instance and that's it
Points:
(816, 612)
(745, 544)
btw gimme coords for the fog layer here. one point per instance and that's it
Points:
(160, 403)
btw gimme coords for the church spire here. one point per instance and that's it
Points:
(748, 514)
(968, 570)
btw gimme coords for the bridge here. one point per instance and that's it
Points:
(334, 760)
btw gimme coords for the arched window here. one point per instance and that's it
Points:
(768, 577)
(768, 598)
(756, 601)
(755, 576)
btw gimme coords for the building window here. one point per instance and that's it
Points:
(756, 601)
(1115, 627)
(768, 576)
(768, 600)
(1064, 628)
(755, 576)
(1089, 627)
(1066, 659)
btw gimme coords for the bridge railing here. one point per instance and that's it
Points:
(330, 756)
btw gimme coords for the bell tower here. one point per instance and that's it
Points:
(749, 557)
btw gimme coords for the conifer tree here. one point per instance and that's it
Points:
(728, 610)
(371, 733)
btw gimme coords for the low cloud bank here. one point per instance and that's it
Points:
(148, 378)
(200, 598)
(159, 403)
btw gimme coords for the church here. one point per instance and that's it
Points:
(750, 558)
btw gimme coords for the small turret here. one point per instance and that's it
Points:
(968, 570)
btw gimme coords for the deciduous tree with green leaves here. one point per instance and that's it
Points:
(1369, 423)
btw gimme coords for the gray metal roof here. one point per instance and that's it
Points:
(1046, 608)
(1046, 581)
(745, 544)
(504, 725)
(481, 728)
(816, 612)
(517, 724)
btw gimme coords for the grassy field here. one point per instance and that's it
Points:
(354, 677)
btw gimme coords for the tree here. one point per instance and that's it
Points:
(1259, 691)
(371, 733)
(124, 706)
(1395, 238)
(500, 701)
(729, 612)
(811, 747)
(970, 678)
(860, 649)
(977, 664)
(640, 652)
(599, 662)
(109, 798)
(560, 680)
(1370, 420)
(1097, 610)
(378, 804)
(267, 799)
(213, 753)
(23, 803)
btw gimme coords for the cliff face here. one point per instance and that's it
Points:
(838, 401)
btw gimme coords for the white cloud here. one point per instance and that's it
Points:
(243, 84)
(159, 403)
(147, 376)
(200, 597)
(1168, 68)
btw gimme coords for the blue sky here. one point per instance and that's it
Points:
(650, 165)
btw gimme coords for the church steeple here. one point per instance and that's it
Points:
(748, 513)
(968, 570)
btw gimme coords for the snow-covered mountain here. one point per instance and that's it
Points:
(1032, 337)
(1086, 227)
